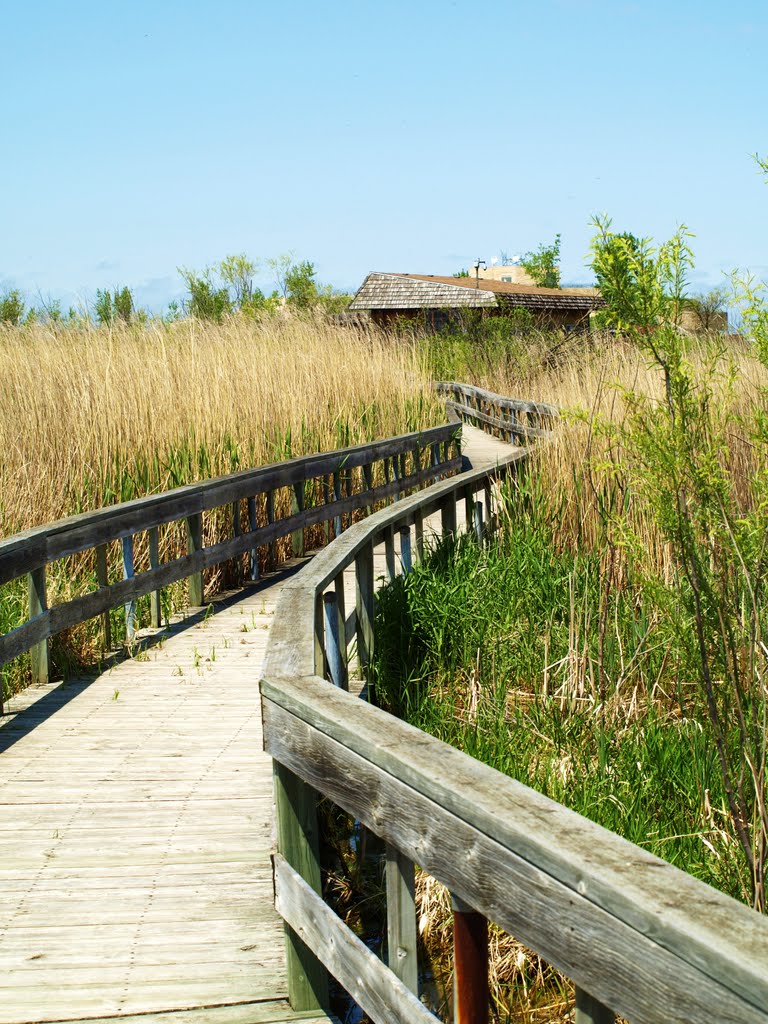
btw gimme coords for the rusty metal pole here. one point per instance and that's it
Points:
(470, 964)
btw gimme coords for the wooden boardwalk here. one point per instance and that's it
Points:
(136, 831)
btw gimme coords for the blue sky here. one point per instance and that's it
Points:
(406, 136)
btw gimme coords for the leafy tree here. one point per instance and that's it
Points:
(301, 286)
(280, 267)
(207, 300)
(12, 307)
(543, 264)
(237, 272)
(112, 306)
(462, 273)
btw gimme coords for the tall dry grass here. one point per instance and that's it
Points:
(95, 415)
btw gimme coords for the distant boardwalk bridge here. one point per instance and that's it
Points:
(159, 846)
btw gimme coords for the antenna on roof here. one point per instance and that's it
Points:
(478, 264)
(494, 260)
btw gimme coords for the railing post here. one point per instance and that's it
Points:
(254, 552)
(396, 470)
(470, 964)
(326, 501)
(298, 842)
(488, 488)
(297, 507)
(130, 607)
(38, 603)
(405, 549)
(338, 522)
(418, 529)
(590, 1011)
(155, 612)
(338, 587)
(368, 481)
(236, 532)
(477, 521)
(272, 556)
(102, 577)
(389, 552)
(332, 644)
(194, 544)
(448, 514)
(469, 506)
(364, 607)
(402, 939)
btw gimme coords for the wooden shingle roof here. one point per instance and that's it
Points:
(427, 291)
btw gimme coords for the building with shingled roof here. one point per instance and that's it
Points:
(436, 301)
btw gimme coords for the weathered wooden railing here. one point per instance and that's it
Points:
(512, 419)
(637, 936)
(344, 481)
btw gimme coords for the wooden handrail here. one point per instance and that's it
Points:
(30, 552)
(633, 932)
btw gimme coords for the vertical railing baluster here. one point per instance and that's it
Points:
(38, 603)
(130, 607)
(342, 617)
(364, 607)
(368, 482)
(297, 507)
(591, 1011)
(272, 550)
(389, 552)
(470, 964)
(332, 644)
(326, 501)
(253, 556)
(338, 522)
(195, 544)
(236, 532)
(102, 577)
(477, 521)
(418, 529)
(405, 549)
(402, 939)
(155, 612)
(448, 514)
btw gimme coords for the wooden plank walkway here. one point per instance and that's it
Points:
(136, 831)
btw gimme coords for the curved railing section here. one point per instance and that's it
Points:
(512, 419)
(637, 936)
(338, 483)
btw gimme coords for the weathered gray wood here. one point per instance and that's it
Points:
(418, 529)
(372, 985)
(37, 607)
(402, 936)
(389, 552)
(448, 514)
(155, 611)
(511, 429)
(364, 606)
(128, 574)
(475, 395)
(334, 668)
(298, 844)
(477, 521)
(405, 549)
(26, 551)
(195, 545)
(253, 554)
(102, 578)
(297, 507)
(338, 522)
(342, 628)
(270, 521)
(635, 931)
(589, 1011)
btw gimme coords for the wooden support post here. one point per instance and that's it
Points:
(590, 1011)
(38, 603)
(470, 965)
(102, 576)
(397, 474)
(253, 555)
(448, 514)
(418, 529)
(389, 552)
(155, 612)
(332, 641)
(130, 608)
(272, 556)
(298, 842)
(402, 940)
(405, 549)
(404, 466)
(194, 544)
(488, 487)
(297, 506)
(364, 606)
(319, 637)
(434, 450)
(338, 522)
(469, 504)
(326, 501)
(368, 484)
(477, 521)
(236, 532)
(342, 616)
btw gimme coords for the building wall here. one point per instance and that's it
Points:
(514, 274)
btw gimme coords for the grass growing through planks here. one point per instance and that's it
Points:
(90, 416)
